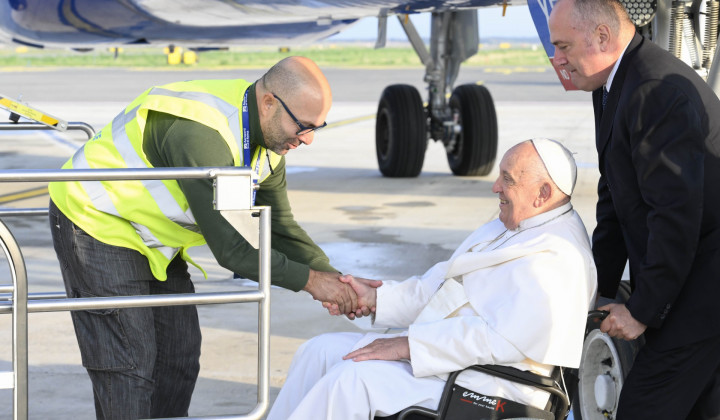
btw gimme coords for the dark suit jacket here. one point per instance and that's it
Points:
(658, 143)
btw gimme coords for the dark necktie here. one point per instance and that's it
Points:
(604, 98)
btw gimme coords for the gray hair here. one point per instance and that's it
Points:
(592, 13)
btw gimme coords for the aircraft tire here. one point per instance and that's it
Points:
(400, 132)
(474, 148)
(605, 363)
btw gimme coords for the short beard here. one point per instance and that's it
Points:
(274, 132)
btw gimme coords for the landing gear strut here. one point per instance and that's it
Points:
(466, 124)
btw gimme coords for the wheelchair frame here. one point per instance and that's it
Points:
(560, 395)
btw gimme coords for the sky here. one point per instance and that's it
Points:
(516, 23)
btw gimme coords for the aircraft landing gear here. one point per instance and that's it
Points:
(472, 149)
(400, 132)
(466, 124)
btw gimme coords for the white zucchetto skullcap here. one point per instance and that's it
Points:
(559, 163)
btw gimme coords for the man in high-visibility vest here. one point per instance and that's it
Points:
(131, 237)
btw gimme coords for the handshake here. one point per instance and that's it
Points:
(354, 297)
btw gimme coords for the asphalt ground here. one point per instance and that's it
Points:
(368, 225)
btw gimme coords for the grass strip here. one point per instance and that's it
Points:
(325, 55)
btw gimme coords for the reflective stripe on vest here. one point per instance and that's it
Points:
(157, 189)
(231, 112)
(162, 227)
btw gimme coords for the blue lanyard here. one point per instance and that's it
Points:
(246, 131)
(246, 140)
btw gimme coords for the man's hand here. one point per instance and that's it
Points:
(365, 289)
(620, 323)
(326, 287)
(395, 348)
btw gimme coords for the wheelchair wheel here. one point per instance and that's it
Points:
(605, 363)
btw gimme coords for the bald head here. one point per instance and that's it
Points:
(295, 78)
(293, 98)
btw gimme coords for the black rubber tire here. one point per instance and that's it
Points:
(400, 132)
(475, 147)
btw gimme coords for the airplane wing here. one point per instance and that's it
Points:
(87, 23)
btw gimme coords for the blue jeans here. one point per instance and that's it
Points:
(143, 362)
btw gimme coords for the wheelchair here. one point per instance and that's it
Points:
(458, 403)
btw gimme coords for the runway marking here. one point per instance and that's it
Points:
(351, 120)
(35, 192)
(511, 70)
(40, 191)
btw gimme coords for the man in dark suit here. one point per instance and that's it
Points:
(658, 142)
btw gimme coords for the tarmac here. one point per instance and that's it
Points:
(368, 225)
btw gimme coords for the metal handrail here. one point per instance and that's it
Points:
(19, 324)
(119, 174)
(20, 305)
(141, 301)
(35, 211)
(24, 126)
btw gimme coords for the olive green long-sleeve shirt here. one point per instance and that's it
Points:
(170, 141)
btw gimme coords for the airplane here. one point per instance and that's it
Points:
(462, 117)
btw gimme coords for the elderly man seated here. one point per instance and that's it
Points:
(515, 293)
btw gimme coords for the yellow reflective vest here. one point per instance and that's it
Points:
(152, 216)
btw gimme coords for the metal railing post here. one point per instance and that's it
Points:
(20, 305)
(19, 322)
(264, 313)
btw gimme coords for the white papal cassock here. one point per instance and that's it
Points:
(509, 297)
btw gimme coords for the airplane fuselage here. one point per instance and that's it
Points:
(81, 23)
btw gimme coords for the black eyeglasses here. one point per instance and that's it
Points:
(303, 128)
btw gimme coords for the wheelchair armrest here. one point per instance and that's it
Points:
(513, 374)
